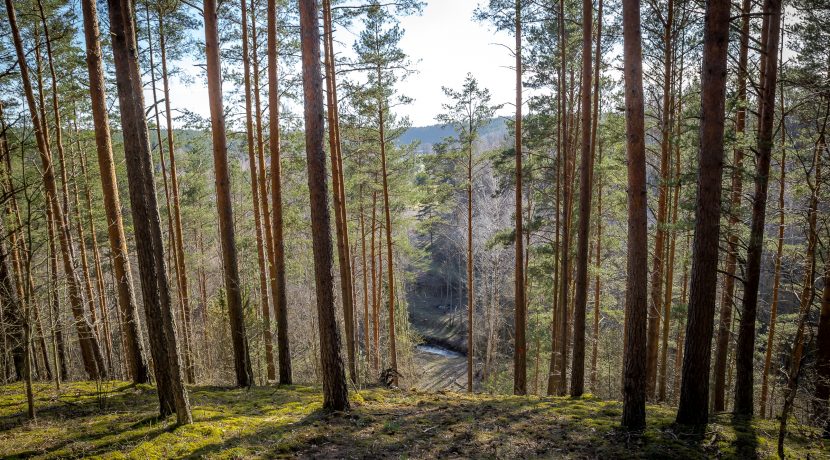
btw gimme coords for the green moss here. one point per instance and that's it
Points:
(115, 420)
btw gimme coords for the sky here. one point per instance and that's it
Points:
(444, 44)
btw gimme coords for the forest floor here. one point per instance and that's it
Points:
(118, 420)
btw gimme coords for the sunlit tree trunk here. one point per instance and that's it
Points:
(155, 288)
(335, 390)
(133, 353)
(341, 229)
(265, 304)
(178, 241)
(634, 358)
(279, 284)
(90, 351)
(233, 287)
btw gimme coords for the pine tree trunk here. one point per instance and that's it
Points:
(171, 233)
(364, 272)
(341, 229)
(745, 353)
(133, 353)
(181, 273)
(252, 160)
(233, 287)
(773, 314)
(520, 320)
(279, 284)
(584, 223)
(335, 390)
(658, 262)
(669, 289)
(694, 387)
(90, 351)
(12, 315)
(634, 358)
(728, 299)
(597, 280)
(376, 286)
(155, 288)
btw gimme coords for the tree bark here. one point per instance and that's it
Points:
(341, 228)
(252, 159)
(745, 349)
(694, 387)
(376, 286)
(278, 286)
(584, 223)
(634, 359)
(161, 322)
(335, 390)
(658, 262)
(90, 351)
(181, 273)
(728, 299)
(520, 319)
(233, 287)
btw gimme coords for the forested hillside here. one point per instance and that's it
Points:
(221, 234)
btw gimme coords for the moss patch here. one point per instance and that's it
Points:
(117, 420)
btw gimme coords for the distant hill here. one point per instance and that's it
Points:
(492, 135)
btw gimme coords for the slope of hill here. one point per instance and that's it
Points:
(490, 136)
(118, 420)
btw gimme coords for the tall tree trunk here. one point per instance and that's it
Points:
(335, 390)
(133, 353)
(364, 273)
(181, 273)
(155, 288)
(233, 287)
(773, 313)
(341, 228)
(585, 189)
(90, 351)
(520, 319)
(553, 371)
(278, 286)
(658, 261)
(594, 142)
(634, 358)
(597, 284)
(776, 284)
(252, 159)
(728, 299)
(744, 388)
(694, 387)
(669, 289)
(565, 247)
(171, 233)
(376, 287)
